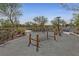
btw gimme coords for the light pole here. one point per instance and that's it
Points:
(58, 25)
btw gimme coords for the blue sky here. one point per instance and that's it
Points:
(30, 10)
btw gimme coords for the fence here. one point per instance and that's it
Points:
(37, 40)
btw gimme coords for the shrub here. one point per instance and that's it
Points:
(20, 31)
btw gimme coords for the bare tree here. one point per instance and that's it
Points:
(57, 24)
(10, 10)
(40, 21)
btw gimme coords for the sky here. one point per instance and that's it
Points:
(49, 10)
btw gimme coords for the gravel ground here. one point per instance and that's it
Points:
(66, 45)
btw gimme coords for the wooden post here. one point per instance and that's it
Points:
(47, 35)
(37, 43)
(12, 36)
(29, 39)
(54, 35)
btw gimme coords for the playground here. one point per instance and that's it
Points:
(65, 45)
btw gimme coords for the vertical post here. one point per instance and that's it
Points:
(12, 36)
(37, 43)
(54, 35)
(47, 35)
(58, 18)
(60, 33)
(29, 39)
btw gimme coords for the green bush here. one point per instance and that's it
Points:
(20, 31)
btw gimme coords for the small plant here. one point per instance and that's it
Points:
(20, 31)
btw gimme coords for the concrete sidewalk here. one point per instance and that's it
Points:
(66, 45)
(71, 33)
